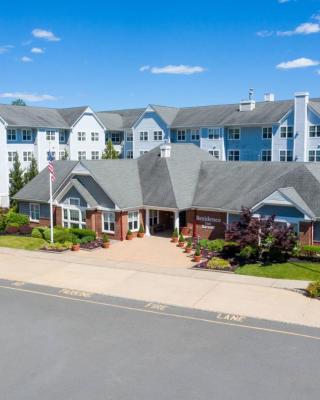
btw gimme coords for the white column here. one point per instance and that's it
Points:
(147, 229)
(176, 221)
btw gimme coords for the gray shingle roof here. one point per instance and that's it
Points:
(167, 114)
(315, 105)
(120, 119)
(71, 115)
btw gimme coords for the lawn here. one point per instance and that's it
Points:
(299, 270)
(21, 242)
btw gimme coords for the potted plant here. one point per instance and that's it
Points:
(181, 240)
(141, 231)
(129, 235)
(197, 254)
(105, 241)
(75, 244)
(175, 236)
(188, 248)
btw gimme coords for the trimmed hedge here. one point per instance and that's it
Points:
(36, 233)
(80, 233)
(312, 250)
(313, 289)
(16, 218)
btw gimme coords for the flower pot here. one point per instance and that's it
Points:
(197, 258)
(140, 234)
(188, 250)
(75, 247)
(174, 240)
(106, 245)
(129, 237)
(181, 244)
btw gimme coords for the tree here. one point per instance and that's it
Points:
(16, 178)
(65, 155)
(32, 171)
(18, 102)
(110, 152)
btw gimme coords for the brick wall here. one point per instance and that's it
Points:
(207, 224)
(306, 229)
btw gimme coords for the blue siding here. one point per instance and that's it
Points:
(279, 143)
(74, 193)
(19, 137)
(312, 143)
(280, 211)
(24, 208)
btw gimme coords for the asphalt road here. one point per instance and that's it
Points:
(59, 344)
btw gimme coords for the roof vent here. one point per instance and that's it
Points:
(165, 150)
(247, 105)
(269, 97)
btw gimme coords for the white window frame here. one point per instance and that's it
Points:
(315, 155)
(232, 132)
(267, 128)
(81, 136)
(195, 135)
(215, 154)
(62, 155)
(32, 211)
(233, 150)
(115, 137)
(28, 135)
(144, 136)
(82, 155)
(181, 133)
(129, 152)
(107, 220)
(157, 136)
(11, 133)
(286, 155)
(67, 222)
(316, 131)
(129, 136)
(11, 155)
(266, 150)
(95, 136)
(95, 155)
(62, 137)
(153, 217)
(27, 156)
(50, 136)
(215, 133)
(284, 129)
(133, 217)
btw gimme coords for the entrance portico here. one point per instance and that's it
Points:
(159, 220)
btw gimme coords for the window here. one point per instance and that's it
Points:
(34, 212)
(314, 155)
(153, 217)
(266, 155)
(27, 155)
(314, 131)
(50, 135)
(74, 218)
(129, 136)
(214, 133)
(286, 155)
(62, 137)
(108, 221)
(81, 136)
(286, 132)
(11, 135)
(74, 201)
(181, 135)
(144, 136)
(215, 154)
(53, 155)
(94, 136)
(133, 221)
(82, 155)
(267, 132)
(234, 155)
(157, 135)
(234, 134)
(11, 155)
(115, 137)
(129, 154)
(95, 155)
(26, 135)
(63, 155)
(142, 152)
(195, 134)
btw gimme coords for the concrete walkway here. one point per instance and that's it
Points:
(94, 272)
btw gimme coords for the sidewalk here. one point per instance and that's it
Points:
(250, 296)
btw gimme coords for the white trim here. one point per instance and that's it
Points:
(234, 150)
(185, 134)
(286, 150)
(114, 221)
(261, 158)
(235, 127)
(34, 204)
(266, 127)
(138, 226)
(143, 132)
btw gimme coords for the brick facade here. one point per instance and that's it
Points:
(306, 233)
(207, 224)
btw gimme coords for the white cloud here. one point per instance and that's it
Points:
(298, 63)
(174, 69)
(26, 59)
(37, 50)
(46, 35)
(5, 48)
(33, 97)
(144, 68)
(306, 28)
(265, 33)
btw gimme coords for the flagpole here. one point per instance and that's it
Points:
(51, 210)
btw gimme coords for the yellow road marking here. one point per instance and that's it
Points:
(173, 315)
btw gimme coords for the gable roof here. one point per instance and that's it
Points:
(120, 119)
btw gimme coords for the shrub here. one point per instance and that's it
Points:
(82, 232)
(141, 229)
(216, 245)
(313, 289)
(175, 233)
(57, 246)
(129, 233)
(75, 240)
(310, 250)
(36, 233)
(16, 218)
(230, 249)
(249, 253)
(204, 243)
(86, 239)
(25, 229)
(12, 228)
(59, 235)
(3, 222)
(198, 251)
(105, 238)
(189, 243)
(181, 238)
(218, 263)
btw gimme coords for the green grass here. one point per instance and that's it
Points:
(299, 270)
(21, 242)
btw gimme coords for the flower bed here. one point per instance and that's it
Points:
(93, 245)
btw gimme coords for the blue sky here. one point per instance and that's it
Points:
(113, 55)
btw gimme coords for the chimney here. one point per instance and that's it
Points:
(301, 100)
(165, 150)
(269, 97)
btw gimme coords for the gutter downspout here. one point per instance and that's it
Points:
(121, 227)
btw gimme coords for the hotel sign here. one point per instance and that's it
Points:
(208, 222)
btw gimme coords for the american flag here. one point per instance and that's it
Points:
(51, 167)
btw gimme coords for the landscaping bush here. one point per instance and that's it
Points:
(249, 253)
(25, 229)
(216, 245)
(57, 246)
(230, 249)
(204, 243)
(105, 238)
(3, 222)
(310, 250)
(12, 228)
(36, 233)
(181, 238)
(219, 263)
(313, 289)
(16, 218)
(59, 235)
(80, 233)
(87, 239)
